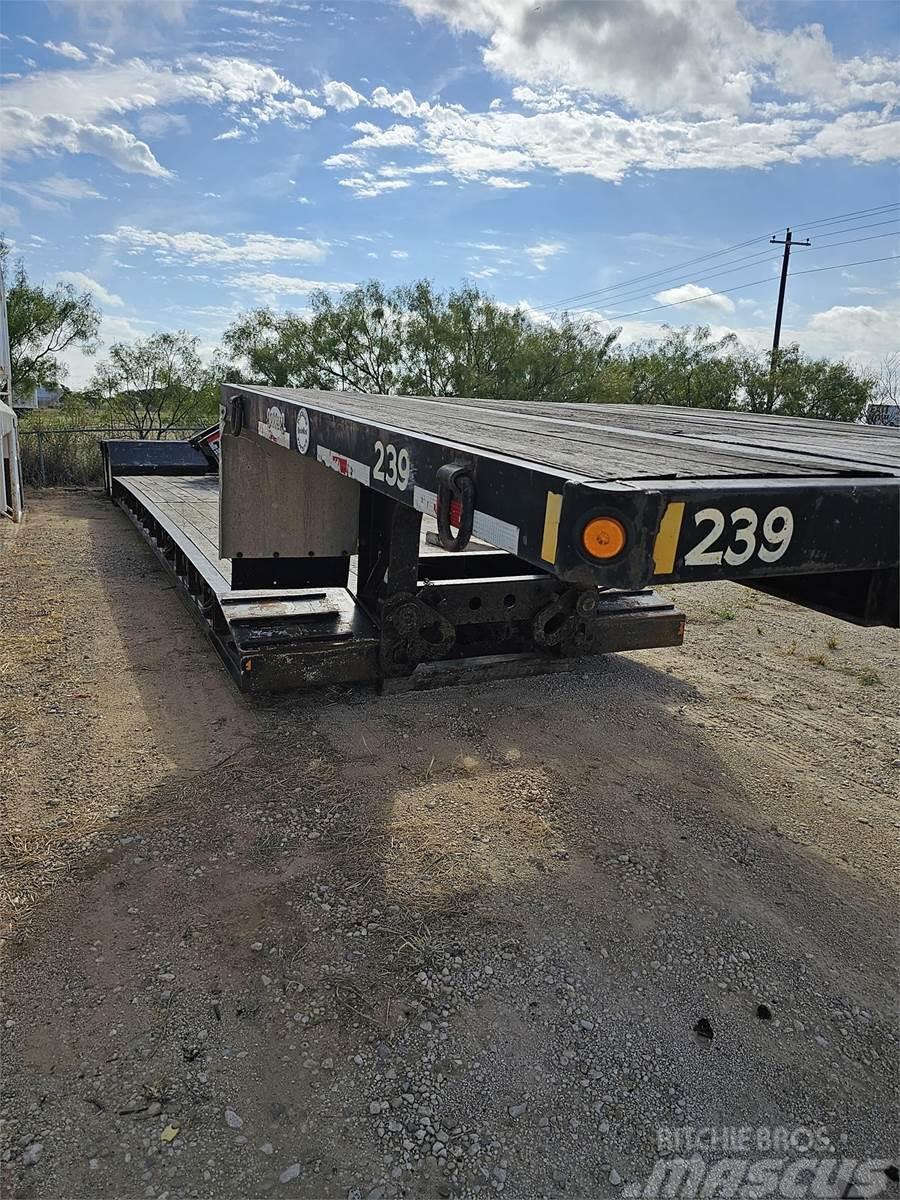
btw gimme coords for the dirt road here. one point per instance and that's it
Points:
(514, 938)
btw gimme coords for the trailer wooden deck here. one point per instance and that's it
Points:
(187, 507)
(624, 441)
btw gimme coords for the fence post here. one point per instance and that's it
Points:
(43, 467)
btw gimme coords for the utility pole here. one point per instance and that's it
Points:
(787, 242)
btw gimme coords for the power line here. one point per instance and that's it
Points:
(741, 265)
(628, 284)
(860, 212)
(661, 285)
(856, 228)
(738, 287)
(652, 289)
(852, 241)
(651, 274)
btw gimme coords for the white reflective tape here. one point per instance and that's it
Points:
(488, 529)
(496, 532)
(425, 501)
(344, 465)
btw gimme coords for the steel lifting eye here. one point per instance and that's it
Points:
(234, 416)
(455, 484)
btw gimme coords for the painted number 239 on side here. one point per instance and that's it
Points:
(391, 465)
(745, 539)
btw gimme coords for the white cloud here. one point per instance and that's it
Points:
(230, 135)
(500, 181)
(63, 188)
(662, 56)
(50, 195)
(605, 89)
(341, 96)
(9, 215)
(404, 103)
(80, 280)
(540, 252)
(283, 285)
(688, 292)
(366, 186)
(399, 254)
(67, 50)
(196, 247)
(100, 50)
(864, 136)
(126, 20)
(78, 111)
(860, 330)
(25, 133)
(377, 138)
(258, 18)
(34, 197)
(500, 148)
(158, 124)
(343, 160)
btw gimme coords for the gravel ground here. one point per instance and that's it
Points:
(461, 943)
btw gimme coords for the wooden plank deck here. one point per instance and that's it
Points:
(188, 507)
(626, 442)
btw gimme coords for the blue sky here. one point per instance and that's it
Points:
(189, 160)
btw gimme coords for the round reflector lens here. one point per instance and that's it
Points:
(604, 537)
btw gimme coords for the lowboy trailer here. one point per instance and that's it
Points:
(299, 545)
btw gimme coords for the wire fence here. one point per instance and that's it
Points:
(60, 457)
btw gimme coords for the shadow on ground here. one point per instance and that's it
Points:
(515, 893)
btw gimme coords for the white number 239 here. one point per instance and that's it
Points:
(746, 540)
(391, 465)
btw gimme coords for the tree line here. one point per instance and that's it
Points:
(418, 340)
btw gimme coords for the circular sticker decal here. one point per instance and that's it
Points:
(302, 430)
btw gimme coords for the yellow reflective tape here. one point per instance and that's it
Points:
(551, 526)
(666, 543)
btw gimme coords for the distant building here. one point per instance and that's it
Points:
(39, 397)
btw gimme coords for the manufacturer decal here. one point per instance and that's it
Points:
(302, 430)
(344, 465)
(273, 428)
(488, 529)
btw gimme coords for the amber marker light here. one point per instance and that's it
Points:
(603, 537)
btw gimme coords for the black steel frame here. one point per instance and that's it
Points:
(407, 611)
(844, 523)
